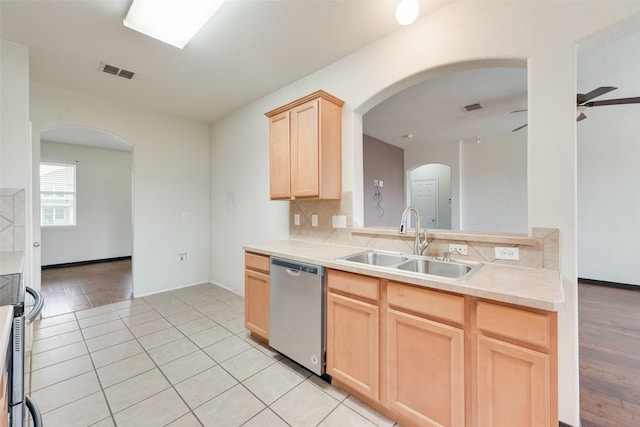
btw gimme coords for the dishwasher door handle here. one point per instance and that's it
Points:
(293, 272)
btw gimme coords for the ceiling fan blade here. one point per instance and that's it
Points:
(582, 98)
(618, 101)
(518, 128)
(581, 117)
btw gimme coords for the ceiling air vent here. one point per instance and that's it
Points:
(471, 107)
(120, 72)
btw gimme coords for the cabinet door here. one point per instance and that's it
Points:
(305, 154)
(256, 303)
(425, 370)
(352, 344)
(513, 385)
(279, 160)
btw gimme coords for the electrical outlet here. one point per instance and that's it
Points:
(183, 257)
(185, 216)
(339, 221)
(314, 220)
(457, 249)
(296, 219)
(507, 253)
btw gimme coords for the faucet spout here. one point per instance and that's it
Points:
(418, 246)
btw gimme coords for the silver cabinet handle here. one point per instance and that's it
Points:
(36, 244)
(37, 305)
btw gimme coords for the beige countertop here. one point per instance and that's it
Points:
(529, 287)
(11, 262)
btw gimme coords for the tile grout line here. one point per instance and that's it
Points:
(241, 334)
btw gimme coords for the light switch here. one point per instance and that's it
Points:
(314, 220)
(296, 219)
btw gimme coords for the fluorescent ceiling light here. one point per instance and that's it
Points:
(171, 21)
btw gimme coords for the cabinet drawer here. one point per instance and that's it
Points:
(426, 302)
(509, 322)
(353, 284)
(256, 262)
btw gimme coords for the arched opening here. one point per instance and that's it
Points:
(85, 215)
(470, 116)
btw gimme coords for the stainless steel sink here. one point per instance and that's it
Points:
(381, 259)
(414, 264)
(437, 268)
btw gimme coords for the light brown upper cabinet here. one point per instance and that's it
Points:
(305, 148)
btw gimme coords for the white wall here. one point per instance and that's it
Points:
(493, 184)
(14, 115)
(15, 152)
(103, 209)
(460, 32)
(609, 197)
(170, 176)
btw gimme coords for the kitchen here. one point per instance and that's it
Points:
(236, 195)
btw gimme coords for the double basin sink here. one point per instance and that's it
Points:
(414, 263)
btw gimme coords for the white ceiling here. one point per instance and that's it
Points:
(430, 110)
(247, 50)
(90, 137)
(251, 48)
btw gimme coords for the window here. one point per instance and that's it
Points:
(57, 194)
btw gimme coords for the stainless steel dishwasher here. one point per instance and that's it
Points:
(297, 313)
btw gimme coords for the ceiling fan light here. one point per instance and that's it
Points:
(407, 11)
(174, 22)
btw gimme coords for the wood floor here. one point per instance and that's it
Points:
(68, 289)
(609, 356)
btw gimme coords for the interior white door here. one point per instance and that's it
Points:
(424, 197)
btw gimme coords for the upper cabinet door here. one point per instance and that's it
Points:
(305, 178)
(306, 148)
(279, 148)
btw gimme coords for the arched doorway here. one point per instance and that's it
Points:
(85, 217)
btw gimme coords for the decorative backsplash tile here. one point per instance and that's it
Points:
(542, 251)
(12, 219)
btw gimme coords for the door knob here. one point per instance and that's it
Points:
(36, 244)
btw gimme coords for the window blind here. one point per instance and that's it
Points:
(57, 194)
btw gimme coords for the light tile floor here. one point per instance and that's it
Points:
(181, 358)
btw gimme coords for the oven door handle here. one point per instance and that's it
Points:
(34, 410)
(37, 305)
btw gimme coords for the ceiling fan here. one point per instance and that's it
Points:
(584, 101)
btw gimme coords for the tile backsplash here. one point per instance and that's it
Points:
(539, 250)
(12, 219)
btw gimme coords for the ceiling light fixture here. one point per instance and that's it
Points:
(174, 22)
(407, 11)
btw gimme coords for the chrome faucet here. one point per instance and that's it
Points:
(418, 246)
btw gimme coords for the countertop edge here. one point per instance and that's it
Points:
(514, 282)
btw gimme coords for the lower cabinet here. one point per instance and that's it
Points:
(432, 358)
(425, 370)
(256, 295)
(517, 375)
(513, 385)
(353, 319)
